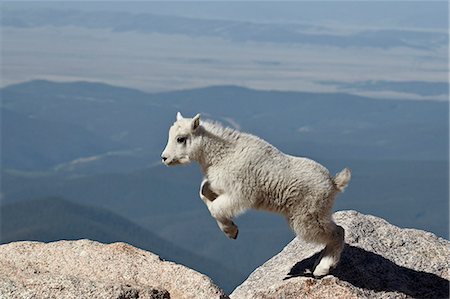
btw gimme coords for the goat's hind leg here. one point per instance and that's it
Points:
(217, 209)
(331, 255)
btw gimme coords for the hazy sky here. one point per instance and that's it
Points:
(350, 45)
(419, 14)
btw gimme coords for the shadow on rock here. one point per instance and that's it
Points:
(369, 270)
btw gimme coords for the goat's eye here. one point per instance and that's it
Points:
(181, 139)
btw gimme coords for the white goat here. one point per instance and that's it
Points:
(243, 171)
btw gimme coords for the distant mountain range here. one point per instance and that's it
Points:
(413, 87)
(30, 143)
(230, 30)
(48, 125)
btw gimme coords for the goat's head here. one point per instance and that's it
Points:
(181, 145)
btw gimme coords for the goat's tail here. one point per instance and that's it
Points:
(342, 178)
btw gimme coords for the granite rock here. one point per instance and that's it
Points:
(379, 260)
(88, 269)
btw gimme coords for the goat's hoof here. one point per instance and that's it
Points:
(321, 271)
(236, 234)
(232, 232)
(319, 274)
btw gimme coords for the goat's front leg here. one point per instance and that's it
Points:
(220, 209)
(206, 194)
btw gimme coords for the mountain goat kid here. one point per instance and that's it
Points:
(242, 171)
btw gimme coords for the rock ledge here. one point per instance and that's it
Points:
(379, 261)
(88, 269)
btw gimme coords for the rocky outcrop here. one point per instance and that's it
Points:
(379, 261)
(88, 269)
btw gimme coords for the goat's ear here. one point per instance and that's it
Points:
(179, 116)
(195, 122)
